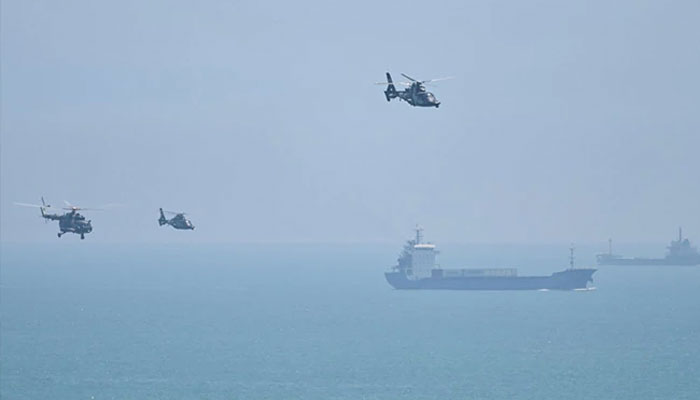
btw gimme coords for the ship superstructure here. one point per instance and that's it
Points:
(416, 269)
(417, 259)
(680, 252)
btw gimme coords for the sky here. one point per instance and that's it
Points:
(566, 121)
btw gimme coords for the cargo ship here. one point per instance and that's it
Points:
(416, 269)
(680, 252)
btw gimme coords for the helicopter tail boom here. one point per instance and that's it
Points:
(390, 91)
(162, 220)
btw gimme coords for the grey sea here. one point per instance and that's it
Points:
(91, 321)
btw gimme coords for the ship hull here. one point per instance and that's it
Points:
(648, 261)
(564, 280)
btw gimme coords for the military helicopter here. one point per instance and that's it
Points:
(70, 222)
(178, 221)
(415, 93)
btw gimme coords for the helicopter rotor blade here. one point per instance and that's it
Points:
(174, 213)
(105, 207)
(438, 79)
(393, 83)
(408, 77)
(75, 208)
(30, 205)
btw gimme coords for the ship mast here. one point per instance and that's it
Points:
(680, 234)
(610, 246)
(571, 256)
(419, 234)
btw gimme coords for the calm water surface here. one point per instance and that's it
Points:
(83, 321)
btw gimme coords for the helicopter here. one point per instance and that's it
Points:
(70, 222)
(415, 93)
(178, 221)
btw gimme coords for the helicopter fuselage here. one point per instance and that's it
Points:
(178, 221)
(71, 222)
(415, 94)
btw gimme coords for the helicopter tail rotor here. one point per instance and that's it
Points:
(162, 220)
(42, 207)
(390, 91)
(43, 214)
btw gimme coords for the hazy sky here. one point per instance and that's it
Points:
(567, 121)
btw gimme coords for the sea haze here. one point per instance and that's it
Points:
(319, 322)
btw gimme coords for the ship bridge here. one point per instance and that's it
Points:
(423, 260)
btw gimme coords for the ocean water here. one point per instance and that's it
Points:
(88, 321)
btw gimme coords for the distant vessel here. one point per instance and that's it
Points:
(680, 252)
(416, 269)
